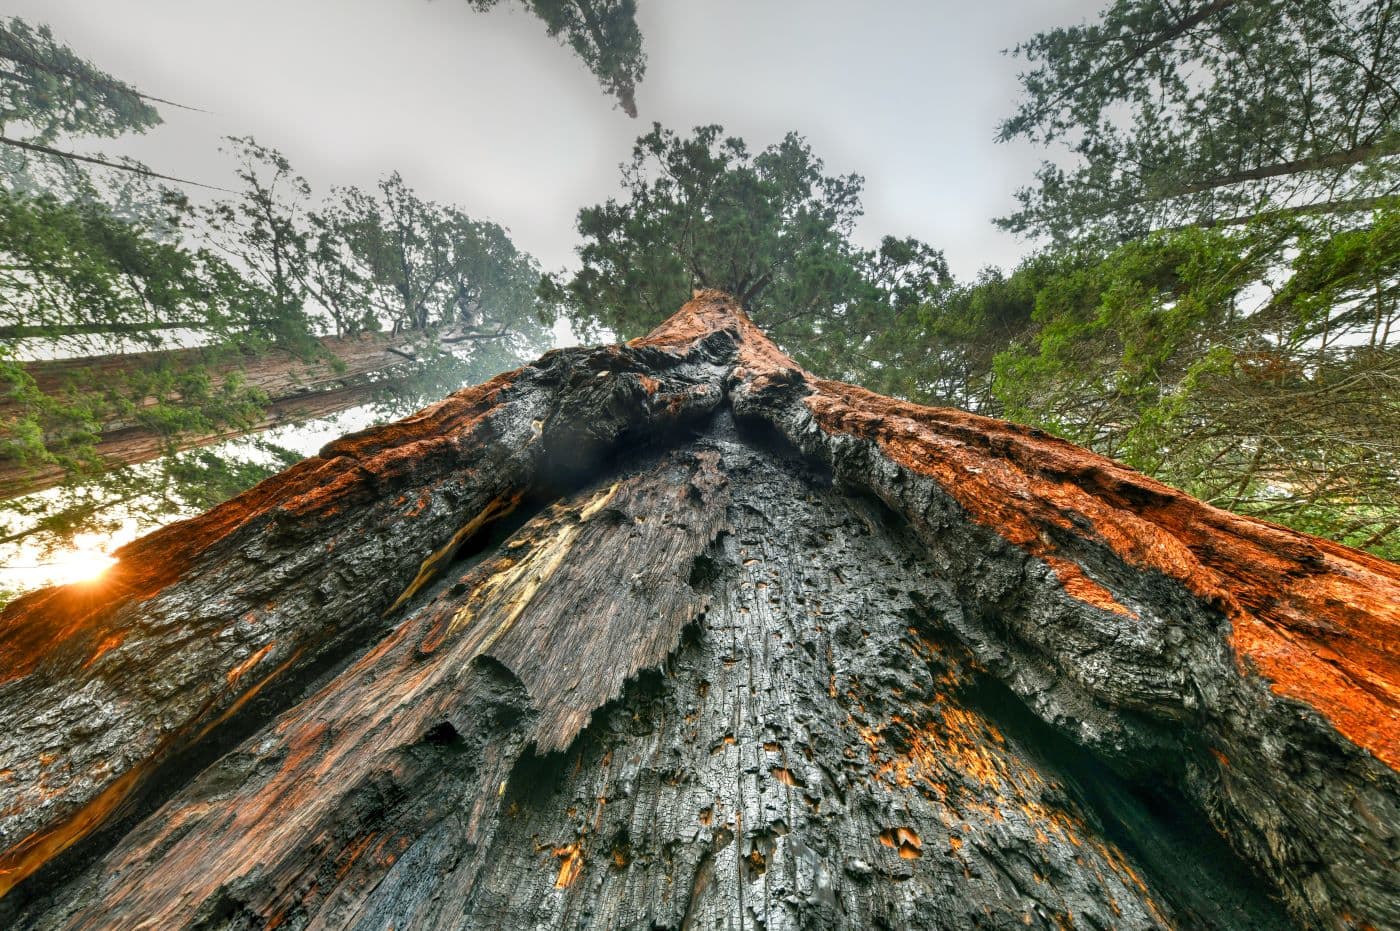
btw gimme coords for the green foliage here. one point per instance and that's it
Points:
(376, 261)
(272, 275)
(1210, 111)
(770, 228)
(261, 237)
(196, 481)
(940, 350)
(51, 92)
(141, 498)
(74, 273)
(75, 280)
(1246, 350)
(23, 437)
(94, 270)
(47, 93)
(602, 33)
(1114, 334)
(1182, 356)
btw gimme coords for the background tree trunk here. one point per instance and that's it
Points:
(676, 635)
(345, 375)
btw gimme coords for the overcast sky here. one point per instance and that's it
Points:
(484, 111)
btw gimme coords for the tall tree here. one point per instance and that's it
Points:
(418, 298)
(136, 326)
(602, 33)
(1210, 111)
(770, 227)
(76, 279)
(860, 664)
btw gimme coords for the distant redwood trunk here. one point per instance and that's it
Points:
(345, 376)
(677, 635)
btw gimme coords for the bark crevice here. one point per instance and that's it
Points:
(674, 634)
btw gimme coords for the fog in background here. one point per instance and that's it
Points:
(486, 112)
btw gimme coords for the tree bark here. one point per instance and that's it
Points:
(298, 389)
(43, 330)
(676, 635)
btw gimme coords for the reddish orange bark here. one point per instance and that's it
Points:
(345, 468)
(1319, 620)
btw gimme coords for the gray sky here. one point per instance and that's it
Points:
(484, 111)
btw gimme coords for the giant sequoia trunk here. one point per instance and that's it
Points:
(676, 635)
(347, 373)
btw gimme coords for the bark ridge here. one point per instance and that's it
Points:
(675, 634)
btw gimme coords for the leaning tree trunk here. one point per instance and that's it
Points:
(346, 372)
(676, 635)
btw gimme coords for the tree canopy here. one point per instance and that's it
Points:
(602, 33)
(135, 324)
(1213, 360)
(1210, 111)
(771, 227)
(275, 303)
(1217, 304)
(51, 92)
(1219, 300)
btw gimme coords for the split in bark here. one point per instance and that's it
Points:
(675, 634)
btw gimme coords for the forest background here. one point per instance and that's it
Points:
(1203, 282)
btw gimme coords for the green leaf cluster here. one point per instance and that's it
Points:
(602, 33)
(1209, 112)
(770, 227)
(51, 92)
(1255, 369)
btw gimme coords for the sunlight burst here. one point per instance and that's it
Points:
(85, 562)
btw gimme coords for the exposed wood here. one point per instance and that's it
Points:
(677, 635)
(276, 371)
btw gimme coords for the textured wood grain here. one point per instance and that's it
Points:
(100, 680)
(678, 635)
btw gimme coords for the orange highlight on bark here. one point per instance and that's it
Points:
(570, 865)
(1318, 620)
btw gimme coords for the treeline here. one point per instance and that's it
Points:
(1213, 299)
(136, 323)
(1216, 299)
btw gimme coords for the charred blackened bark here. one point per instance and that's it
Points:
(676, 635)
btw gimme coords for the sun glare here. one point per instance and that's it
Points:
(84, 563)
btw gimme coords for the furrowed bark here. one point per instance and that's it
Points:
(675, 634)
